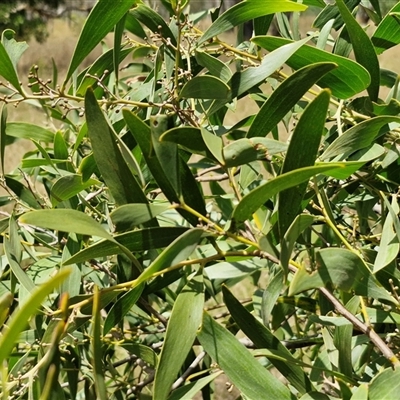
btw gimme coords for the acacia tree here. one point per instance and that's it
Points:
(180, 248)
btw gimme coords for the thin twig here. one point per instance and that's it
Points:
(190, 369)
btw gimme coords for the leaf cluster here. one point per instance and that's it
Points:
(154, 248)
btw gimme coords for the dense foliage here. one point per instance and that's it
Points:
(154, 250)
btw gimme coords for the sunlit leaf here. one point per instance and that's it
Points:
(205, 87)
(138, 240)
(245, 11)
(288, 93)
(121, 307)
(257, 197)
(344, 270)
(251, 378)
(19, 318)
(348, 79)
(262, 337)
(96, 28)
(363, 49)
(65, 220)
(387, 33)
(302, 152)
(359, 136)
(385, 385)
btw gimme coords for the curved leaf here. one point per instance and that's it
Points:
(245, 11)
(65, 220)
(214, 65)
(387, 33)
(385, 385)
(138, 240)
(7, 70)
(96, 28)
(205, 87)
(363, 49)
(251, 378)
(302, 152)
(116, 173)
(244, 151)
(262, 337)
(288, 93)
(257, 197)
(68, 186)
(131, 215)
(179, 250)
(185, 320)
(348, 79)
(359, 136)
(121, 307)
(18, 320)
(344, 270)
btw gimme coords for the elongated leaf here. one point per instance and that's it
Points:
(205, 87)
(190, 190)
(288, 93)
(181, 332)
(24, 130)
(387, 34)
(342, 339)
(13, 250)
(189, 391)
(179, 250)
(166, 152)
(20, 317)
(68, 186)
(389, 245)
(153, 20)
(97, 352)
(65, 220)
(121, 307)
(244, 151)
(348, 79)
(146, 353)
(385, 385)
(271, 294)
(139, 240)
(7, 70)
(72, 285)
(251, 378)
(96, 28)
(359, 136)
(300, 223)
(23, 193)
(257, 197)
(245, 11)
(241, 82)
(344, 270)
(215, 66)
(189, 137)
(116, 173)
(131, 215)
(262, 337)
(363, 49)
(302, 152)
(3, 122)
